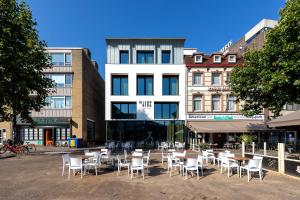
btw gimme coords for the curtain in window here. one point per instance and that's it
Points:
(215, 78)
(230, 103)
(174, 86)
(216, 102)
(197, 103)
(197, 79)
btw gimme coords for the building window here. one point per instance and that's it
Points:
(27, 134)
(62, 134)
(165, 110)
(228, 74)
(217, 58)
(197, 78)
(231, 103)
(232, 58)
(215, 78)
(58, 102)
(198, 59)
(165, 57)
(145, 57)
(61, 59)
(123, 110)
(61, 80)
(124, 57)
(216, 103)
(144, 85)
(170, 85)
(119, 85)
(197, 102)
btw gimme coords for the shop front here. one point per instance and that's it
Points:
(148, 133)
(223, 129)
(45, 131)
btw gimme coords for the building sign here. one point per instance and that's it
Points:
(146, 104)
(218, 89)
(223, 117)
(226, 47)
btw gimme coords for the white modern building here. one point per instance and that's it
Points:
(145, 90)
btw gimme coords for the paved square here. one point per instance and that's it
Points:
(39, 177)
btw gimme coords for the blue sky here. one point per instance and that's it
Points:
(206, 24)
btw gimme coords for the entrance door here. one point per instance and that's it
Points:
(48, 135)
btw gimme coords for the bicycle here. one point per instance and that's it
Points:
(17, 149)
(30, 147)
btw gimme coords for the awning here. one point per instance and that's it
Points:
(292, 119)
(227, 126)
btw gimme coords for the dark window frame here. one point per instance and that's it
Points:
(144, 52)
(162, 53)
(121, 115)
(145, 85)
(120, 86)
(120, 56)
(169, 114)
(169, 81)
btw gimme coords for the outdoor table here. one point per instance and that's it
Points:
(240, 159)
(129, 157)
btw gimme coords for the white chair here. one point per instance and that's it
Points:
(200, 163)
(164, 157)
(125, 156)
(137, 164)
(191, 165)
(75, 164)
(122, 164)
(172, 165)
(137, 154)
(146, 161)
(138, 150)
(208, 157)
(66, 162)
(229, 165)
(94, 163)
(219, 158)
(254, 165)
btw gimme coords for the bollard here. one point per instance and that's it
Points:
(253, 147)
(243, 149)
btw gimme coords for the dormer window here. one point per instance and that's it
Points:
(217, 58)
(198, 59)
(232, 58)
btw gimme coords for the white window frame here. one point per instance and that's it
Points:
(233, 60)
(234, 104)
(201, 101)
(217, 56)
(65, 58)
(201, 74)
(212, 107)
(201, 60)
(52, 102)
(212, 78)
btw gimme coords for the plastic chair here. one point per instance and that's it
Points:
(172, 165)
(122, 164)
(75, 163)
(191, 165)
(229, 165)
(254, 165)
(94, 162)
(66, 162)
(137, 164)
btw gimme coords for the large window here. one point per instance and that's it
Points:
(59, 102)
(62, 134)
(144, 85)
(165, 57)
(165, 110)
(216, 78)
(197, 78)
(216, 103)
(31, 134)
(170, 85)
(197, 102)
(61, 59)
(61, 80)
(231, 103)
(119, 85)
(124, 57)
(123, 110)
(145, 57)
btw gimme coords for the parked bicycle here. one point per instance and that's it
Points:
(14, 148)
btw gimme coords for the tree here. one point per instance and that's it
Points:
(23, 87)
(270, 77)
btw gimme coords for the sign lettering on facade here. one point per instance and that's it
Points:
(146, 104)
(218, 89)
(224, 117)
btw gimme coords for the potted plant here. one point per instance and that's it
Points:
(247, 139)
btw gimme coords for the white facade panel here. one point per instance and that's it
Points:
(145, 112)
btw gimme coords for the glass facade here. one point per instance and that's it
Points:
(123, 110)
(119, 85)
(145, 57)
(165, 110)
(146, 131)
(124, 57)
(166, 57)
(144, 85)
(170, 85)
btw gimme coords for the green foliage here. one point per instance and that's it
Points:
(248, 139)
(203, 145)
(271, 75)
(23, 87)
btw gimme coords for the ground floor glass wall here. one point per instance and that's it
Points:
(146, 132)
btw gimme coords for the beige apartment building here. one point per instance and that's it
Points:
(212, 112)
(75, 108)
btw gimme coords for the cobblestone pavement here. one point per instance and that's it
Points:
(38, 176)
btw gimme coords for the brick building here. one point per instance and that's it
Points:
(75, 108)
